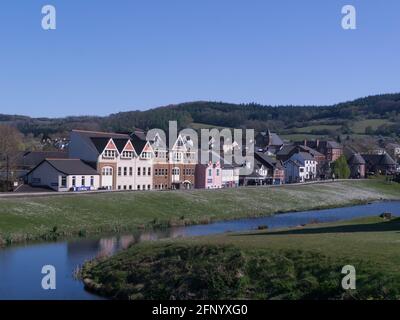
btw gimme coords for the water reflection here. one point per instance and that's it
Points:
(20, 266)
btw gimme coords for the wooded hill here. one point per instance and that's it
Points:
(373, 115)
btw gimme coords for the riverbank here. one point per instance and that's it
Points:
(50, 218)
(297, 263)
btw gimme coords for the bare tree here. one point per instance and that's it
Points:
(10, 144)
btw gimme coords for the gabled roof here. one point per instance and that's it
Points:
(33, 158)
(268, 161)
(268, 139)
(356, 158)
(100, 143)
(312, 151)
(275, 140)
(333, 145)
(69, 166)
(379, 159)
(138, 143)
(98, 140)
(306, 155)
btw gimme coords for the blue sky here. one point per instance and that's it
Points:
(110, 56)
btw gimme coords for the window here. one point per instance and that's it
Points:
(209, 172)
(130, 171)
(107, 171)
(125, 171)
(178, 156)
(156, 172)
(127, 154)
(83, 181)
(109, 154)
(63, 181)
(119, 187)
(119, 171)
(144, 171)
(92, 181)
(149, 171)
(217, 172)
(73, 181)
(148, 187)
(130, 187)
(138, 171)
(138, 187)
(144, 187)
(175, 171)
(125, 187)
(146, 155)
(166, 172)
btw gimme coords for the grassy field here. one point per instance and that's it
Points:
(299, 263)
(48, 218)
(318, 127)
(360, 126)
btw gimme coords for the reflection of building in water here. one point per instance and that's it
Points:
(107, 246)
(148, 236)
(177, 232)
(126, 241)
(82, 249)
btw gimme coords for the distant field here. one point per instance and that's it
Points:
(301, 136)
(310, 129)
(71, 215)
(360, 126)
(298, 263)
(197, 126)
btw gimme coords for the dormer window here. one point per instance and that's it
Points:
(109, 154)
(146, 155)
(127, 154)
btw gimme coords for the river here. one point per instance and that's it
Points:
(20, 266)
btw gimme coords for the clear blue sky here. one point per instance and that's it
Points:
(110, 56)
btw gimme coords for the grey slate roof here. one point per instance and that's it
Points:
(31, 159)
(275, 140)
(99, 140)
(379, 159)
(69, 167)
(356, 159)
(306, 156)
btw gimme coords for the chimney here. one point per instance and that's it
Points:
(317, 143)
(305, 142)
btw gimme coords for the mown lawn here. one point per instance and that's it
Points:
(71, 215)
(299, 263)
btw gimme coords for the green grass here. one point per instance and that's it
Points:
(299, 263)
(197, 126)
(51, 217)
(309, 129)
(360, 126)
(301, 136)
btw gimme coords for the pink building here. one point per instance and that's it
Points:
(209, 176)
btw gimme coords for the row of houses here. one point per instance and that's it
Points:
(112, 161)
(139, 161)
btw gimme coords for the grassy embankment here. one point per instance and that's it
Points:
(48, 218)
(298, 263)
